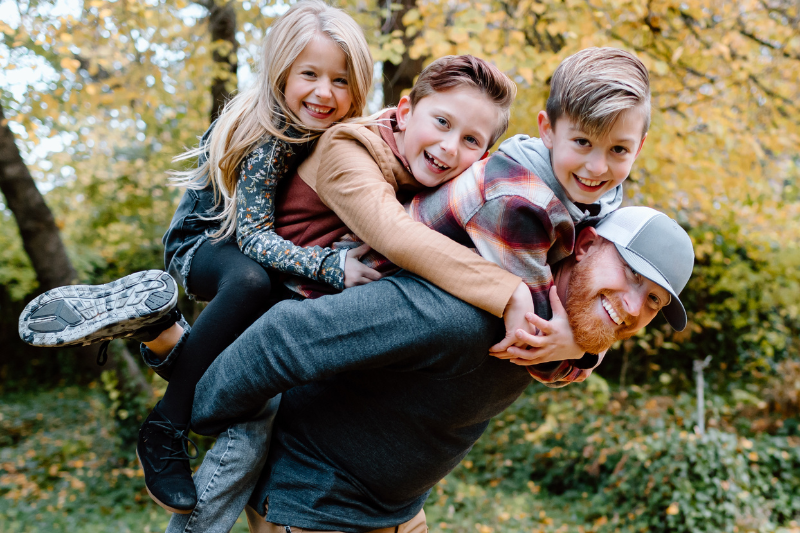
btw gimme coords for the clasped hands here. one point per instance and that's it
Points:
(531, 340)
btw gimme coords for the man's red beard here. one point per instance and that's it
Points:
(593, 333)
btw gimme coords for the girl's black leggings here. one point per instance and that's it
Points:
(238, 291)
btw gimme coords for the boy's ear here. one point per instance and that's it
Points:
(640, 146)
(587, 238)
(546, 129)
(403, 113)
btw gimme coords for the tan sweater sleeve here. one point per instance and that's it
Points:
(362, 193)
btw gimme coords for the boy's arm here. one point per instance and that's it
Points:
(259, 175)
(363, 195)
(509, 231)
(521, 235)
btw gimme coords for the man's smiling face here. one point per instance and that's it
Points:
(606, 299)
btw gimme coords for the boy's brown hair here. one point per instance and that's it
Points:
(450, 72)
(595, 85)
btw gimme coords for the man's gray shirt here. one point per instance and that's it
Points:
(386, 387)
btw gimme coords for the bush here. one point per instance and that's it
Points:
(675, 481)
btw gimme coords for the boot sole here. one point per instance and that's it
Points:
(83, 314)
(159, 502)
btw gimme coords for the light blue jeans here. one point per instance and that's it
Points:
(228, 475)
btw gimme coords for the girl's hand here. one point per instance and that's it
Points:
(520, 304)
(356, 272)
(552, 340)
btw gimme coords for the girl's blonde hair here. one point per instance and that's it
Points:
(261, 109)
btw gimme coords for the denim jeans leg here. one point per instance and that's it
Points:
(228, 474)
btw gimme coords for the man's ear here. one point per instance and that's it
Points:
(640, 146)
(587, 239)
(546, 129)
(403, 113)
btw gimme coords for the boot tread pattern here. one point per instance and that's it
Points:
(84, 314)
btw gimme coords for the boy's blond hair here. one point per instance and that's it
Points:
(595, 85)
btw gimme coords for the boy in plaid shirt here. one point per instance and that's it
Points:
(519, 207)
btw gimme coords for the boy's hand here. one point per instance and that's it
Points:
(520, 304)
(356, 272)
(554, 341)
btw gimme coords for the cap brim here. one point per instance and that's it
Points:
(674, 312)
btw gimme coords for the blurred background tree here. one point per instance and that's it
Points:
(101, 95)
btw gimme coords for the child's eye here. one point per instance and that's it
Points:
(472, 140)
(309, 73)
(340, 81)
(442, 122)
(619, 150)
(583, 142)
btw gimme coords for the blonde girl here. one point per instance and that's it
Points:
(316, 70)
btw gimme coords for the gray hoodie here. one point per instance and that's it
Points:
(531, 153)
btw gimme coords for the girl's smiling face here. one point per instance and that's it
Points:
(316, 87)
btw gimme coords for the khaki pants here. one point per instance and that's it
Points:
(259, 525)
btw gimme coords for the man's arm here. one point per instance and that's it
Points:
(403, 322)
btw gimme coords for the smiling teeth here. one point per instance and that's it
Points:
(435, 162)
(589, 183)
(613, 314)
(323, 110)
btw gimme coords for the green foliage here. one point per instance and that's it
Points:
(580, 453)
(742, 302)
(678, 482)
(16, 273)
(64, 467)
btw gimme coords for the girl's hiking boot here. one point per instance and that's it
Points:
(137, 306)
(164, 455)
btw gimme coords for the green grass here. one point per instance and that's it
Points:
(64, 468)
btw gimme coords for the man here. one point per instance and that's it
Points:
(387, 386)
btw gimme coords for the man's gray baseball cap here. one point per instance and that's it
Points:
(656, 247)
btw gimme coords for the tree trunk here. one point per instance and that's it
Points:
(37, 227)
(222, 24)
(42, 242)
(397, 78)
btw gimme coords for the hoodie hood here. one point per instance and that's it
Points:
(531, 153)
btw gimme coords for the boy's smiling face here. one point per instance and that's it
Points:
(445, 133)
(588, 166)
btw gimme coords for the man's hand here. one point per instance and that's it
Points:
(552, 340)
(356, 272)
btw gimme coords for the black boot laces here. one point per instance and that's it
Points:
(181, 454)
(102, 353)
